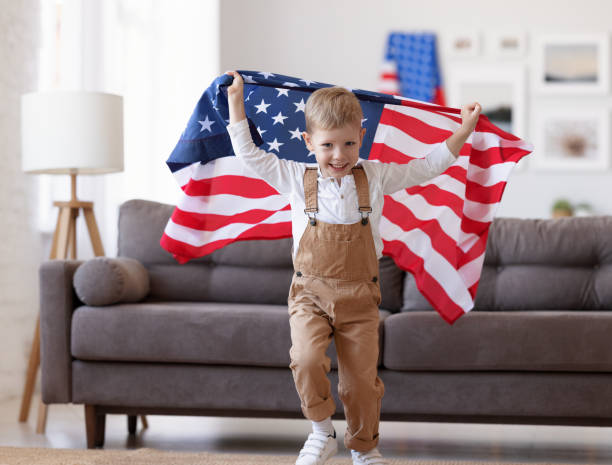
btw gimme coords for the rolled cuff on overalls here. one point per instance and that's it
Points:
(320, 412)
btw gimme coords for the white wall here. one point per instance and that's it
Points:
(20, 245)
(342, 42)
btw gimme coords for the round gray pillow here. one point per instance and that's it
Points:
(109, 280)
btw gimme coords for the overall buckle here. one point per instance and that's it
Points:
(364, 214)
(311, 215)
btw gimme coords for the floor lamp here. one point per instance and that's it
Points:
(68, 132)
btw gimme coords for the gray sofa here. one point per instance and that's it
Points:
(212, 336)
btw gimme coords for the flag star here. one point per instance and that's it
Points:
(263, 106)
(311, 154)
(308, 82)
(300, 105)
(291, 84)
(266, 75)
(279, 118)
(248, 79)
(249, 95)
(284, 92)
(275, 145)
(206, 124)
(362, 121)
(297, 134)
(261, 131)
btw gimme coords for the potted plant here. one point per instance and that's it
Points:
(562, 208)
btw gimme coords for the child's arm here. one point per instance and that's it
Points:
(395, 177)
(235, 98)
(279, 173)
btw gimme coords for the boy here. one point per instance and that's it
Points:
(336, 211)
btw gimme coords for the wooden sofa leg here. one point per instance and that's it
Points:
(95, 423)
(131, 419)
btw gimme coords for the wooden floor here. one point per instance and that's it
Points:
(442, 441)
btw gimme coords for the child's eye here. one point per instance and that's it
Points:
(350, 143)
(327, 144)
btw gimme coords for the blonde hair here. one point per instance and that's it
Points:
(331, 108)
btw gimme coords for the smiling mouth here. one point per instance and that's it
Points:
(338, 167)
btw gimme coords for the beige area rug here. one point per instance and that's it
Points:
(148, 456)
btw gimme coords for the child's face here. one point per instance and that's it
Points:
(336, 150)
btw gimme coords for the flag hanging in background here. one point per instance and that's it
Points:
(437, 230)
(410, 67)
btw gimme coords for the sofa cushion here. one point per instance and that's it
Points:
(108, 280)
(480, 341)
(209, 282)
(188, 332)
(201, 282)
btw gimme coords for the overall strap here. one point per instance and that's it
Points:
(363, 192)
(310, 193)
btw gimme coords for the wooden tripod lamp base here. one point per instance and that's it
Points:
(64, 240)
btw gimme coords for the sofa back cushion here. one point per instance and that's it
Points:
(540, 264)
(254, 271)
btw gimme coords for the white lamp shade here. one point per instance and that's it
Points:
(71, 132)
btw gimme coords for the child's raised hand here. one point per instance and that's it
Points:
(235, 98)
(469, 116)
(236, 89)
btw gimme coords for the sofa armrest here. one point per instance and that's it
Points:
(57, 302)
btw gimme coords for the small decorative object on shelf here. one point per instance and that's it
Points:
(583, 209)
(561, 208)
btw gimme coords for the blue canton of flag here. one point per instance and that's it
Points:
(274, 105)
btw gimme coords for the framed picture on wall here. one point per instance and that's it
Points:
(500, 89)
(576, 63)
(507, 44)
(571, 139)
(462, 44)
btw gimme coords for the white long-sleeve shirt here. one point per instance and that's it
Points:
(338, 204)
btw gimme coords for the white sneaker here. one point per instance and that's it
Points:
(371, 457)
(317, 449)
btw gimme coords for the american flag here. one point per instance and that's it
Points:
(410, 67)
(436, 230)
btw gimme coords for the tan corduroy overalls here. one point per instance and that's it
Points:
(335, 291)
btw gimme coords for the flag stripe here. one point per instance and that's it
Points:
(212, 222)
(398, 139)
(428, 285)
(227, 204)
(250, 188)
(435, 264)
(197, 238)
(419, 122)
(387, 154)
(435, 196)
(397, 213)
(185, 251)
